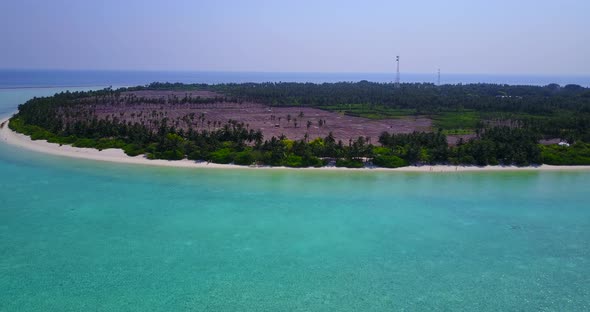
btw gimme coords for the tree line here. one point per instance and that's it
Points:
(425, 96)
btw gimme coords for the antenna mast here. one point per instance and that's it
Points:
(397, 72)
(438, 80)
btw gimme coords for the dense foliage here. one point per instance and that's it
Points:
(424, 97)
(508, 122)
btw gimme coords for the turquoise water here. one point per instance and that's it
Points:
(87, 236)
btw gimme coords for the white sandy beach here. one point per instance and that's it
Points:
(8, 136)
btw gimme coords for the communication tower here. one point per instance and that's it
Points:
(397, 72)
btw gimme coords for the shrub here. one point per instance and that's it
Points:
(133, 149)
(244, 158)
(222, 156)
(293, 161)
(172, 155)
(389, 161)
(349, 163)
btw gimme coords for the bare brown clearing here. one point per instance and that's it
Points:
(150, 107)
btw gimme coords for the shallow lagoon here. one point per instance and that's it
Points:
(82, 235)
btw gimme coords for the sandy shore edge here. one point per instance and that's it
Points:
(118, 156)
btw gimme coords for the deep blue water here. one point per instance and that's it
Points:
(60, 78)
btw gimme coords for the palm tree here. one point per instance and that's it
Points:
(258, 138)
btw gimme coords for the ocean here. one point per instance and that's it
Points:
(79, 235)
(85, 78)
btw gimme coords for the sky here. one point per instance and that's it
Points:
(458, 36)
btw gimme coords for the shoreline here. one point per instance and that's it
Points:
(10, 137)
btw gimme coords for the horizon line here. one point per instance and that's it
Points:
(290, 72)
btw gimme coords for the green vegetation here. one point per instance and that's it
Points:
(463, 122)
(499, 145)
(370, 111)
(38, 133)
(508, 122)
(385, 157)
(576, 154)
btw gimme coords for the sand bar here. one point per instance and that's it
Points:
(8, 136)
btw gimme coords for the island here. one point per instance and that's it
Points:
(347, 124)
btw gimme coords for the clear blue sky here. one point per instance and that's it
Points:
(459, 36)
